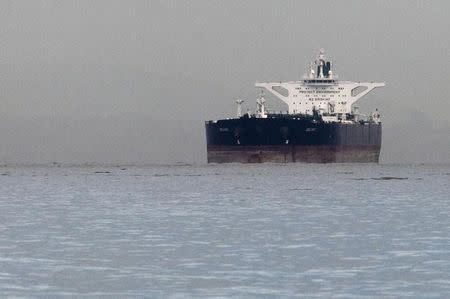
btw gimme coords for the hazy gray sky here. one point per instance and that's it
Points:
(133, 81)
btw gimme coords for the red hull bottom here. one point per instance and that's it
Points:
(296, 153)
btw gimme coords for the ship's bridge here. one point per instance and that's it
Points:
(319, 90)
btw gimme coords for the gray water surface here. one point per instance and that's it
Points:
(260, 231)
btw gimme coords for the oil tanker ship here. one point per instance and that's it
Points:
(322, 124)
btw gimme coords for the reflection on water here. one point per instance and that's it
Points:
(226, 230)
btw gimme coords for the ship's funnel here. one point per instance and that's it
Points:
(327, 69)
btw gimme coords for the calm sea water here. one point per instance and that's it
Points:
(258, 231)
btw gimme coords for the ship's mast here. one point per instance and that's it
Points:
(239, 107)
(260, 106)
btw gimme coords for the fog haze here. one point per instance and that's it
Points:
(134, 81)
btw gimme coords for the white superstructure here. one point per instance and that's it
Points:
(320, 91)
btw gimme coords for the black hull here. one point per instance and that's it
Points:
(282, 140)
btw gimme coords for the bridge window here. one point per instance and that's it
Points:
(281, 90)
(357, 90)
